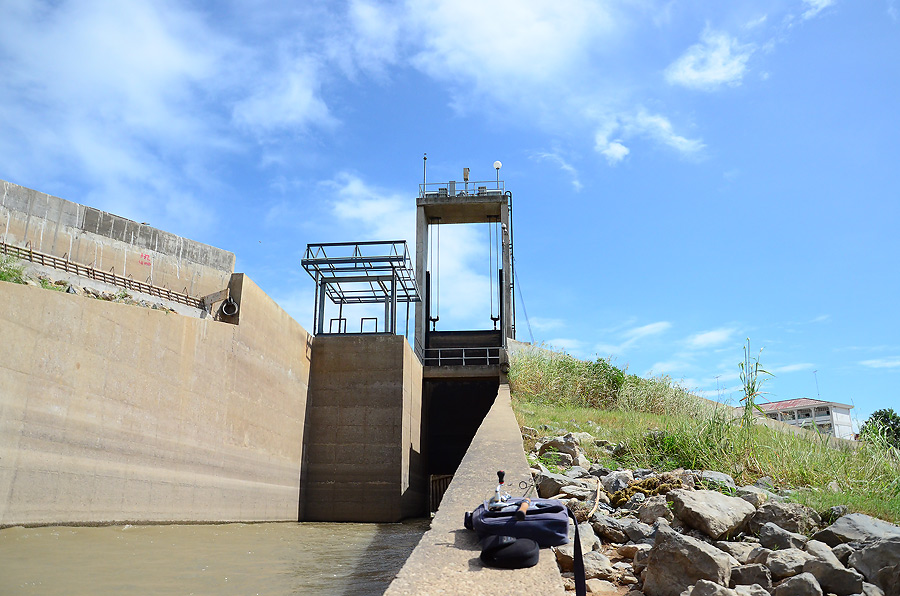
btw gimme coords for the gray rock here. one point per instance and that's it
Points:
(856, 527)
(577, 492)
(598, 470)
(754, 590)
(739, 550)
(841, 551)
(788, 562)
(765, 482)
(878, 556)
(565, 553)
(549, 484)
(838, 580)
(642, 473)
(598, 566)
(759, 555)
(711, 512)
(639, 563)
(599, 587)
(609, 528)
(616, 481)
(654, 508)
(754, 573)
(800, 585)
(677, 562)
(582, 438)
(563, 460)
(707, 588)
(823, 552)
(774, 537)
(635, 501)
(638, 531)
(717, 479)
(792, 517)
(871, 590)
(832, 514)
(576, 472)
(888, 579)
(754, 495)
(567, 444)
(581, 461)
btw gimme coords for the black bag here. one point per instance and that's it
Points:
(546, 521)
(513, 543)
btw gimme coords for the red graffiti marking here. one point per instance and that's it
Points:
(145, 259)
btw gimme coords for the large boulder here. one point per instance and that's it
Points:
(677, 562)
(856, 527)
(799, 585)
(565, 553)
(567, 444)
(792, 517)
(754, 495)
(775, 537)
(754, 573)
(787, 562)
(549, 484)
(609, 528)
(711, 512)
(836, 580)
(718, 480)
(598, 566)
(878, 556)
(616, 481)
(654, 508)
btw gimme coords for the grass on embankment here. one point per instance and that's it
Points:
(662, 426)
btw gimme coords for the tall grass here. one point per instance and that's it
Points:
(11, 270)
(660, 425)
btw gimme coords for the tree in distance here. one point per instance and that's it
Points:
(885, 424)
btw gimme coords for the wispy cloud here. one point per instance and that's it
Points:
(564, 166)
(709, 339)
(546, 324)
(789, 368)
(892, 362)
(632, 336)
(814, 7)
(716, 61)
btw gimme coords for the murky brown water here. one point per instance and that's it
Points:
(244, 559)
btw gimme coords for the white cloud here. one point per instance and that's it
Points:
(574, 347)
(789, 368)
(717, 60)
(814, 7)
(659, 128)
(289, 98)
(546, 324)
(643, 331)
(615, 152)
(709, 339)
(564, 166)
(893, 362)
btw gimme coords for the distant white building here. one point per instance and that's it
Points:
(830, 417)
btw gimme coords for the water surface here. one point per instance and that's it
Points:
(265, 559)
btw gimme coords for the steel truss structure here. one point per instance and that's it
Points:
(361, 273)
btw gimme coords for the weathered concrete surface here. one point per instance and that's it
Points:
(111, 243)
(446, 559)
(111, 412)
(363, 439)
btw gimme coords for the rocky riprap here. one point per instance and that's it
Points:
(696, 533)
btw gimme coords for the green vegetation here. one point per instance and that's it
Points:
(11, 270)
(884, 425)
(657, 424)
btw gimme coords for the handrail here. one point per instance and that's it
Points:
(96, 274)
(480, 356)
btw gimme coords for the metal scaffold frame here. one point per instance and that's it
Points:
(377, 272)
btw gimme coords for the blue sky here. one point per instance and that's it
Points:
(686, 174)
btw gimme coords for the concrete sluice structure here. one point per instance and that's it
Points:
(113, 413)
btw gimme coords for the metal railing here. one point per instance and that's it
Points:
(480, 188)
(462, 356)
(104, 276)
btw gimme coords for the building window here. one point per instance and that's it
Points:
(805, 414)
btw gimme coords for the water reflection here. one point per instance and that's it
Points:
(267, 559)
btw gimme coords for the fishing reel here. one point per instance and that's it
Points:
(500, 498)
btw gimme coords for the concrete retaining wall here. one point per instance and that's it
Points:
(111, 412)
(363, 440)
(110, 243)
(446, 559)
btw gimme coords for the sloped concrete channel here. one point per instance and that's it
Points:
(446, 558)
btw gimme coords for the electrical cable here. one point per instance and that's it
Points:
(522, 300)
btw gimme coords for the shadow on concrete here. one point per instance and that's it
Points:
(388, 551)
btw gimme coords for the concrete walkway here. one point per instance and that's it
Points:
(446, 559)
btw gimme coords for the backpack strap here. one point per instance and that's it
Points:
(580, 586)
